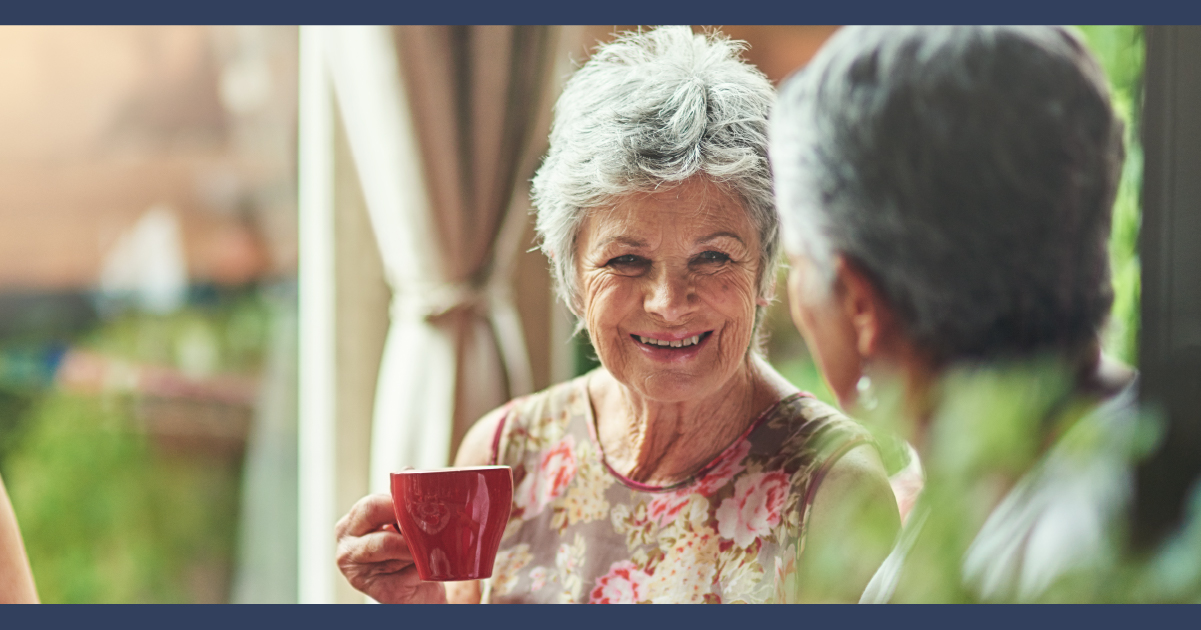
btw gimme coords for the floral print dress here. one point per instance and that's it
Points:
(580, 532)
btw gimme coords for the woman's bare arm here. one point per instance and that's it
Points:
(16, 578)
(852, 527)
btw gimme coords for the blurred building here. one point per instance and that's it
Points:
(103, 124)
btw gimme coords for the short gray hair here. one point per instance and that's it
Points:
(649, 110)
(970, 172)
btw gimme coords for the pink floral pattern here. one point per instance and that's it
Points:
(548, 481)
(732, 535)
(685, 573)
(625, 583)
(754, 509)
(538, 577)
(665, 507)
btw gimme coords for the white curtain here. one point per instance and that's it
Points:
(451, 343)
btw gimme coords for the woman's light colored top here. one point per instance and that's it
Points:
(1061, 520)
(733, 532)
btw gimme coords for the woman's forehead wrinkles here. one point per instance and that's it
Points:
(621, 239)
(696, 213)
(717, 235)
(609, 235)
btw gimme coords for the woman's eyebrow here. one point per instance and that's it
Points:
(623, 240)
(716, 235)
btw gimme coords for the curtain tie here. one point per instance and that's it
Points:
(434, 300)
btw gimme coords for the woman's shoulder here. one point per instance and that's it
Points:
(800, 425)
(540, 420)
(813, 429)
(524, 416)
(544, 406)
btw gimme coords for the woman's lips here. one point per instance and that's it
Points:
(671, 347)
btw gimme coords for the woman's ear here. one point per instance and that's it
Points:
(765, 298)
(863, 306)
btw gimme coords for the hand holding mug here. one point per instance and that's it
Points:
(375, 558)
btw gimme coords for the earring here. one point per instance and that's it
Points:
(867, 396)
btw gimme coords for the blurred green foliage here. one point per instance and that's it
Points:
(106, 518)
(108, 514)
(1121, 51)
(1014, 444)
(226, 336)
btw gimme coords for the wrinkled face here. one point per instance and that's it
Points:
(668, 284)
(826, 328)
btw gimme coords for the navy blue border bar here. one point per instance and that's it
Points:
(984, 617)
(603, 12)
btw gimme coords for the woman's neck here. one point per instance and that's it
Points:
(663, 443)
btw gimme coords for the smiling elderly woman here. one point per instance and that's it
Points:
(685, 469)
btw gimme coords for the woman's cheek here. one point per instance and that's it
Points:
(602, 300)
(734, 295)
(605, 303)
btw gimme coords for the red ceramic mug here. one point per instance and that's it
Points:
(452, 519)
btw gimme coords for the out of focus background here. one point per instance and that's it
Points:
(246, 270)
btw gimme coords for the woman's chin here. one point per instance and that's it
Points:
(671, 387)
(673, 374)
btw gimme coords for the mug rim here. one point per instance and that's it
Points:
(451, 469)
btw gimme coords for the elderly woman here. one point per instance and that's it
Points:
(945, 195)
(685, 469)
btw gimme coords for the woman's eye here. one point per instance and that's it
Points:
(713, 257)
(628, 260)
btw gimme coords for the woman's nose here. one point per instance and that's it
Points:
(670, 296)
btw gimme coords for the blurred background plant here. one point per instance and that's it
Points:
(123, 451)
(147, 193)
(118, 504)
(1121, 50)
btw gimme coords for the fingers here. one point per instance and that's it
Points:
(373, 548)
(374, 557)
(369, 547)
(369, 514)
(403, 587)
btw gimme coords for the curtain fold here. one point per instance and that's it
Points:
(439, 121)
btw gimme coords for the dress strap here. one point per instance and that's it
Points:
(500, 429)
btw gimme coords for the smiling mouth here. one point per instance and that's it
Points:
(680, 344)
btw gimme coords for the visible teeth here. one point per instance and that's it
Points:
(683, 343)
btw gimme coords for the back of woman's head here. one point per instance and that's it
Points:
(649, 110)
(969, 171)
